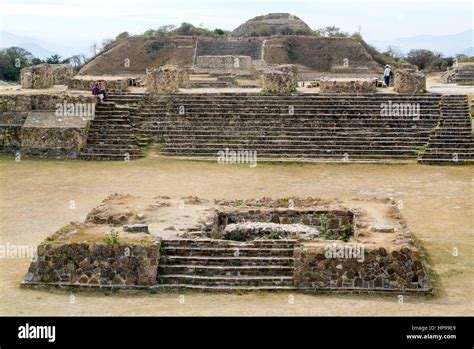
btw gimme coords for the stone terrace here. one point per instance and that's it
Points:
(309, 127)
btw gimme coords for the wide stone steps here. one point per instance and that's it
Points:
(311, 142)
(440, 150)
(227, 288)
(110, 136)
(221, 265)
(106, 156)
(205, 125)
(276, 147)
(308, 126)
(332, 156)
(271, 282)
(227, 260)
(228, 270)
(207, 243)
(303, 158)
(255, 130)
(184, 251)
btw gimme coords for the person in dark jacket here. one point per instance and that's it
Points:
(96, 91)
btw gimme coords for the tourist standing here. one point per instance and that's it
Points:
(386, 75)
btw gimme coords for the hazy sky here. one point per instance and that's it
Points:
(65, 21)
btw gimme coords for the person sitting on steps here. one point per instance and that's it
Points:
(96, 91)
(103, 90)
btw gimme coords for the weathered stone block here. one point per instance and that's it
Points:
(409, 82)
(37, 77)
(45, 75)
(278, 82)
(164, 79)
(347, 86)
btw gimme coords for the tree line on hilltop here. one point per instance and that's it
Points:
(13, 59)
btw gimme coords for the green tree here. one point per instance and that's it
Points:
(12, 60)
(421, 58)
(332, 32)
(54, 59)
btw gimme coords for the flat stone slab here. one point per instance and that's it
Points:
(383, 228)
(136, 228)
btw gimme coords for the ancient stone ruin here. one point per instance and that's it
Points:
(461, 74)
(305, 244)
(347, 86)
(165, 79)
(409, 82)
(45, 75)
(112, 83)
(224, 62)
(280, 80)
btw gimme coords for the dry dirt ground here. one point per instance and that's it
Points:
(35, 200)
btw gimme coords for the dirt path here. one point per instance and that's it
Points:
(36, 196)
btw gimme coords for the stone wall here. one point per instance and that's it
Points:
(320, 53)
(164, 80)
(53, 142)
(37, 77)
(409, 82)
(183, 79)
(94, 265)
(333, 221)
(23, 127)
(278, 82)
(43, 76)
(61, 73)
(290, 69)
(10, 138)
(319, 268)
(215, 47)
(14, 105)
(347, 86)
(224, 62)
(87, 83)
(22, 104)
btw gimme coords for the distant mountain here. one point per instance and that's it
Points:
(468, 52)
(449, 45)
(39, 48)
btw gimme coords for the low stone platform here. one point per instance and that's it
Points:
(347, 85)
(186, 245)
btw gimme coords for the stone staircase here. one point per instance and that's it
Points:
(111, 136)
(306, 127)
(328, 128)
(451, 140)
(462, 73)
(126, 98)
(208, 81)
(223, 265)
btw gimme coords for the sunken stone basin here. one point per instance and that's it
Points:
(302, 224)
